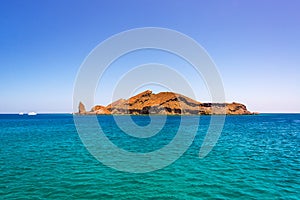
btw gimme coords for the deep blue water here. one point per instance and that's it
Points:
(256, 157)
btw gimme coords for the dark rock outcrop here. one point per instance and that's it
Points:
(81, 108)
(165, 103)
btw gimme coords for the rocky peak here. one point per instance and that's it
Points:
(81, 108)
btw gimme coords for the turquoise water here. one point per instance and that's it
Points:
(256, 157)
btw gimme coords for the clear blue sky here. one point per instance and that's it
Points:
(255, 45)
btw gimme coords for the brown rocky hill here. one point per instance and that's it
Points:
(165, 103)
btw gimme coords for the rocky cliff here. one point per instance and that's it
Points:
(165, 103)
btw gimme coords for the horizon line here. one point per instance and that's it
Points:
(71, 113)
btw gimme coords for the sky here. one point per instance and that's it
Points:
(254, 44)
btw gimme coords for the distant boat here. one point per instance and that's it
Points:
(32, 113)
(21, 113)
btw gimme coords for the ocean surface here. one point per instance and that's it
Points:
(256, 157)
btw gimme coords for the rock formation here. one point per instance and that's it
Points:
(81, 108)
(165, 103)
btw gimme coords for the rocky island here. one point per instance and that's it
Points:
(164, 103)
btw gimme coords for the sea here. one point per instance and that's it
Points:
(255, 157)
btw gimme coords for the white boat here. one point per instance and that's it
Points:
(21, 113)
(32, 113)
